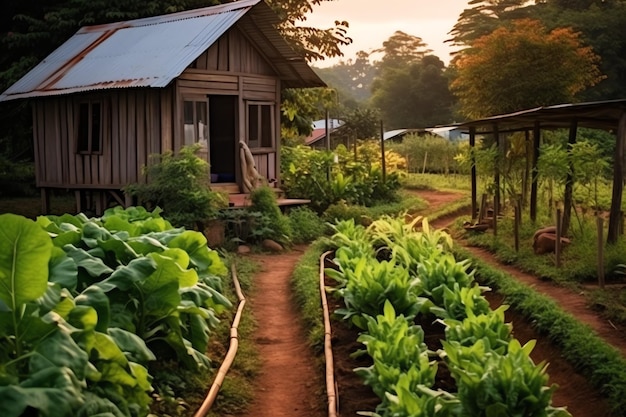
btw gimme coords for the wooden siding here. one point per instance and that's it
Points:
(233, 53)
(132, 129)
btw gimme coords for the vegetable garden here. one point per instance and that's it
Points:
(391, 277)
(87, 305)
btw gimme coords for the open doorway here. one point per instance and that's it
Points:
(223, 138)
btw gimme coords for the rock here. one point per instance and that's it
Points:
(243, 249)
(271, 245)
(549, 229)
(546, 243)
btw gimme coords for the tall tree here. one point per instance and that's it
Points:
(401, 49)
(484, 17)
(601, 25)
(523, 67)
(414, 95)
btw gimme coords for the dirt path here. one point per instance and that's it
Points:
(289, 383)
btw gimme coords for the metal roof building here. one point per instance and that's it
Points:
(151, 52)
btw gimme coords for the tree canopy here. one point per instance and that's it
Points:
(523, 66)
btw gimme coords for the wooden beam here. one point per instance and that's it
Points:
(535, 171)
(618, 182)
(472, 143)
(496, 179)
(568, 197)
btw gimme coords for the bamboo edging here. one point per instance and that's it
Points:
(230, 355)
(331, 391)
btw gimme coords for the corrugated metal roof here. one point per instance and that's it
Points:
(597, 115)
(151, 52)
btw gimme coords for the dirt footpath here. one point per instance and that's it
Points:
(290, 383)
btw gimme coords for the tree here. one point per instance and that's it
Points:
(521, 67)
(601, 24)
(313, 43)
(401, 49)
(413, 95)
(485, 17)
(351, 78)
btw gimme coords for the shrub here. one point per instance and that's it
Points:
(272, 224)
(306, 225)
(179, 184)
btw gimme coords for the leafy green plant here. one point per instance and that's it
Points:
(490, 384)
(396, 348)
(306, 225)
(272, 224)
(369, 284)
(489, 327)
(179, 184)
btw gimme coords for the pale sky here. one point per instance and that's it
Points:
(374, 21)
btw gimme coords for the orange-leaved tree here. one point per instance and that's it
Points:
(522, 66)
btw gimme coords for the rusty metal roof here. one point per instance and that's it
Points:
(153, 51)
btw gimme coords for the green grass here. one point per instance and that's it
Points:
(437, 182)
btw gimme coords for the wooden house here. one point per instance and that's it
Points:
(114, 94)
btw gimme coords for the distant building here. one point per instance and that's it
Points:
(317, 138)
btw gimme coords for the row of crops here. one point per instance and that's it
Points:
(87, 305)
(392, 276)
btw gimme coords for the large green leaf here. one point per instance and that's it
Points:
(202, 257)
(132, 345)
(63, 269)
(53, 391)
(95, 297)
(125, 277)
(24, 254)
(93, 265)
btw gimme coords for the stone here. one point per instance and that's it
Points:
(271, 245)
(243, 249)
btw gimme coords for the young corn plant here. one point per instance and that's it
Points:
(490, 384)
(490, 328)
(370, 284)
(397, 349)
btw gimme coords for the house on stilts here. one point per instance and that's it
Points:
(114, 94)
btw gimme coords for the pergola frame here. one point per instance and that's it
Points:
(605, 115)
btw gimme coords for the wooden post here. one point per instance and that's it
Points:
(424, 164)
(533, 184)
(481, 210)
(516, 226)
(45, 201)
(618, 181)
(382, 151)
(600, 223)
(496, 179)
(495, 217)
(568, 195)
(472, 143)
(557, 243)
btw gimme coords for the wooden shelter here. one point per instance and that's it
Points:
(605, 115)
(114, 94)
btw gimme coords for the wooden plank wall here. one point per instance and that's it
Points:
(234, 53)
(132, 131)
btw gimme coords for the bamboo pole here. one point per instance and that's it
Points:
(331, 391)
(230, 355)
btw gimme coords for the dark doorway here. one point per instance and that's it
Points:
(223, 138)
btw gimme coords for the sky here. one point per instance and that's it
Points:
(373, 21)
